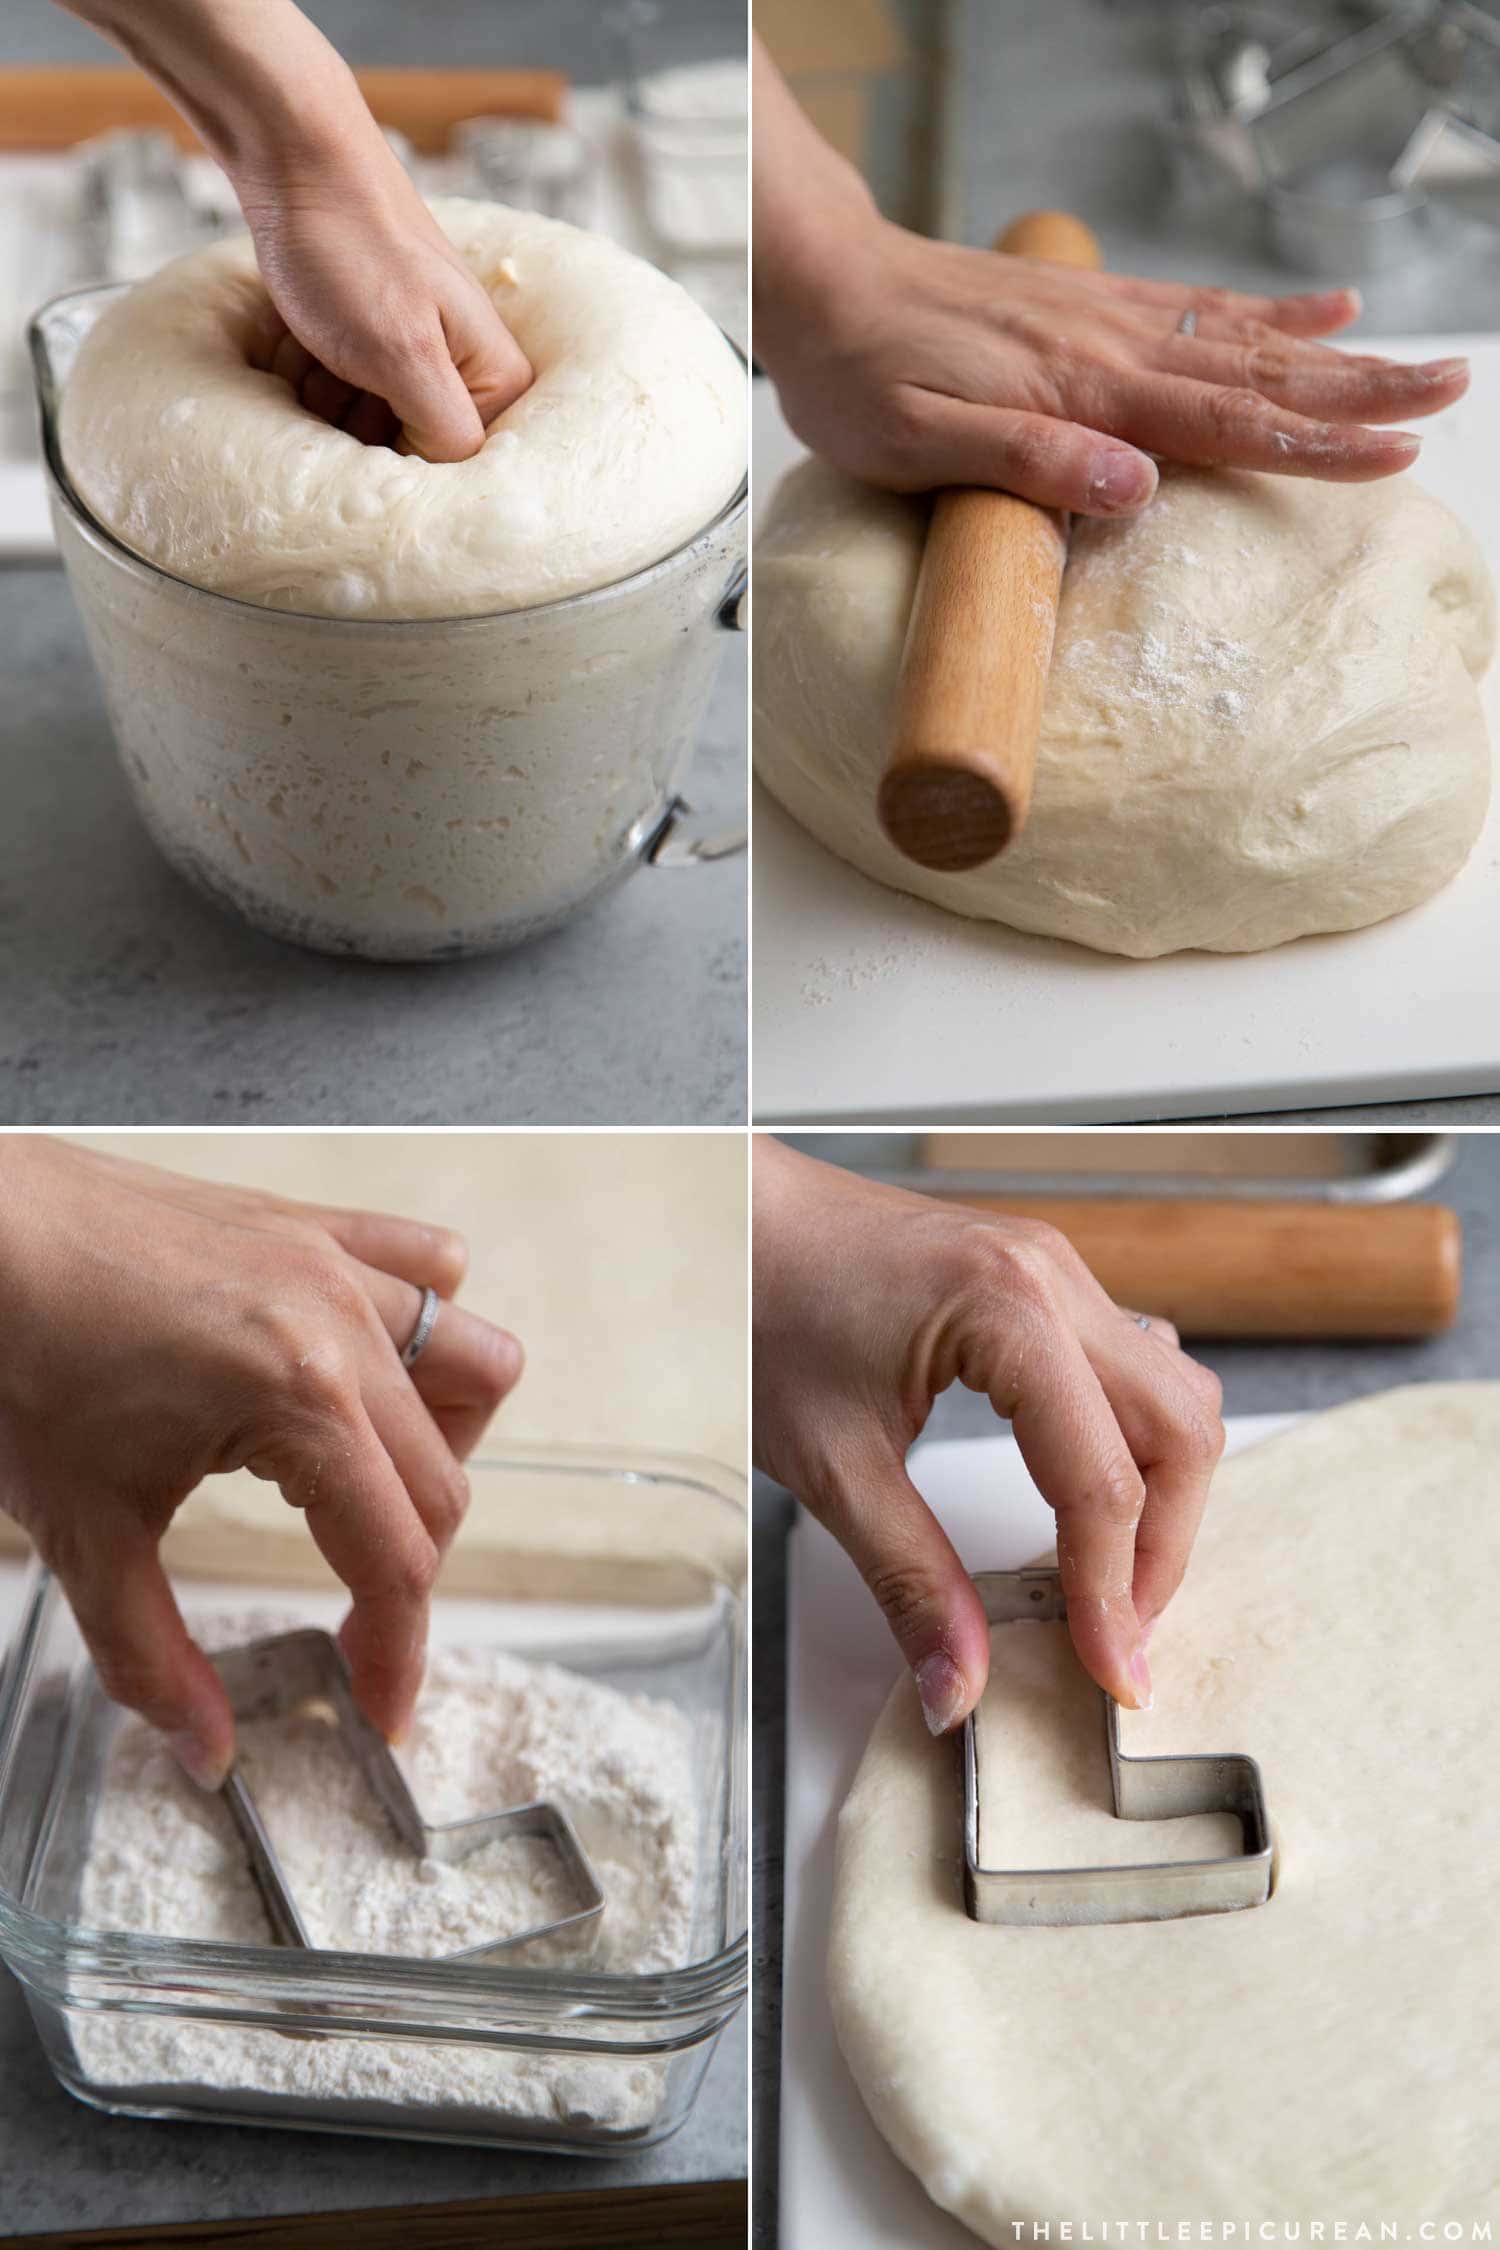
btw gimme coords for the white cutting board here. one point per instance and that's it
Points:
(839, 2182)
(874, 1008)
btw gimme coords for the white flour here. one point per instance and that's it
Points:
(491, 1731)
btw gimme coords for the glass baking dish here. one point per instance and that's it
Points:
(577, 2061)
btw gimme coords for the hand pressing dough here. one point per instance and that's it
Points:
(1261, 719)
(629, 441)
(1335, 2053)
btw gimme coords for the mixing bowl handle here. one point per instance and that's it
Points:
(731, 611)
(676, 842)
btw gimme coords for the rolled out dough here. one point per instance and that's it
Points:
(1261, 717)
(1334, 2054)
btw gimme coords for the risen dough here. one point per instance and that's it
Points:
(1333, 2054)
(1261, 719)
(629, 441)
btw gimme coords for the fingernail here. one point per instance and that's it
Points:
(940, 1684)
(1140, 1675)
(197, 1761)
(1147, 1629)
(1440, 372)
(1122, 480)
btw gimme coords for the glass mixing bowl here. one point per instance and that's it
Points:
(403, 790)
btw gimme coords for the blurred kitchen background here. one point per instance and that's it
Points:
(628, 116)
(1263, 147)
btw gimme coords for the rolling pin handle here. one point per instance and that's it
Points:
(968, 708)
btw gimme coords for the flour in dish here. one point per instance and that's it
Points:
(491, 1730)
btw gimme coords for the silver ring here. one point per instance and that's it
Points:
(1142, 1320)
(421, 1335)
(1188, 325)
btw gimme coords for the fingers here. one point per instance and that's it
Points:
(327, 396)
(431, 401)
(1318, 313)
(420, 1454)
(494, 368)
(422, 404)
(428, 1257)
(1314, 381)
(449, 386)
(332, 1464)
(144, 1655)
(372, 422)
(1056, 464)
(928, 1598)
(1081, 1464)
(468, 1366)
(343, 405)
(1209, 427)
(1167, 1406)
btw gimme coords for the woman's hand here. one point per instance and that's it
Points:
(869, 1302)
(381, 328)
(159, 1330)
(915, 364)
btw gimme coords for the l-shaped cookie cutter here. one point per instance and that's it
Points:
(285, 1670)
(1159, 1788)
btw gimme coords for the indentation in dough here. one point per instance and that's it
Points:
(630, 440)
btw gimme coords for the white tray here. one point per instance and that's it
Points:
(839, 2182)
(874, 1008)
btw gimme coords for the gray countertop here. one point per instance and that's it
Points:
(568, 35)
(65, 2166)
(1258, 1379)
(125, 999)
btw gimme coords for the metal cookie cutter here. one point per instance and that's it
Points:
(307, 1666)
(1143, 1789)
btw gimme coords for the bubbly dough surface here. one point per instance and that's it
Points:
(1261, 718)
(631, 439)
(1333, 2054)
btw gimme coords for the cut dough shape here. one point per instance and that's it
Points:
(630, 440)
(1261, 718)
(1333, 2053)
(1044, 1794)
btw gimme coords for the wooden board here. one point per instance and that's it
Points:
(53, 106)
(704, 2215)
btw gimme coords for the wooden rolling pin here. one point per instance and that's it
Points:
(957, 780)
(1287, 1269)
(54, 107)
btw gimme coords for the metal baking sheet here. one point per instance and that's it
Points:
(1314, 1166)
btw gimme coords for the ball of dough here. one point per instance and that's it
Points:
(1261, 718)
(1335, 2051)
(630, 440)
